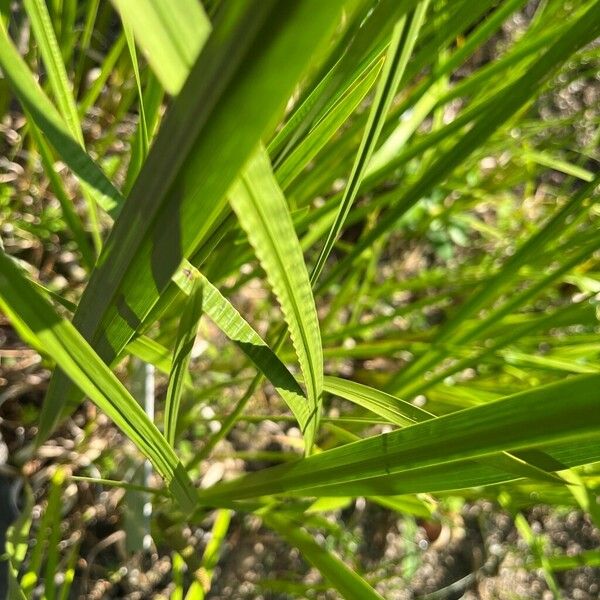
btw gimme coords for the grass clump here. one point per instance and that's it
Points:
(301, 259)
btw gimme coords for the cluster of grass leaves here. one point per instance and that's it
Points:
(269, 106)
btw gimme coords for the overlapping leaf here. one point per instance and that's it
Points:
(263, 213)
(181, 190)
(38, 324)
(546, 415)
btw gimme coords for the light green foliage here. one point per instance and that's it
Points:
(261, 208)
(186, 336)
(396, 239)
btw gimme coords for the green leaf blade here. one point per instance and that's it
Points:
(186, 335)
(35, 320)
(525, 420)
(263, 213)
(180, 192)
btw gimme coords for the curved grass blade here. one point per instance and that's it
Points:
(547, 160)
(238, 330)
(401, 47)
(345, 580)
(331, 122)
(180, 192)
(38, 324)
(186, 335)
(263, 213)
(550, 414)
(393, 409)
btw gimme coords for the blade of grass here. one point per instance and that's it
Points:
(55, 67)
(345, 580)
(329, 125)
(68, 30)
(211, 555)
(399, 51)
(523, 420)
(394, 409)
(36, 321)
(186, 336)
(587, 558)
(52, 556)
(263, 213)
(177, 197)
(170, 36)
(457, 475)
(120, 484)
(563, 166)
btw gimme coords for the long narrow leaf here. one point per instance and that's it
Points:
(263, 213)
(170, 35)
(181, 190)
(186, 335)
(401, 47)
(346, 581)
(559, 412)
(57, 74)
(395, 410)
(35, 320)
